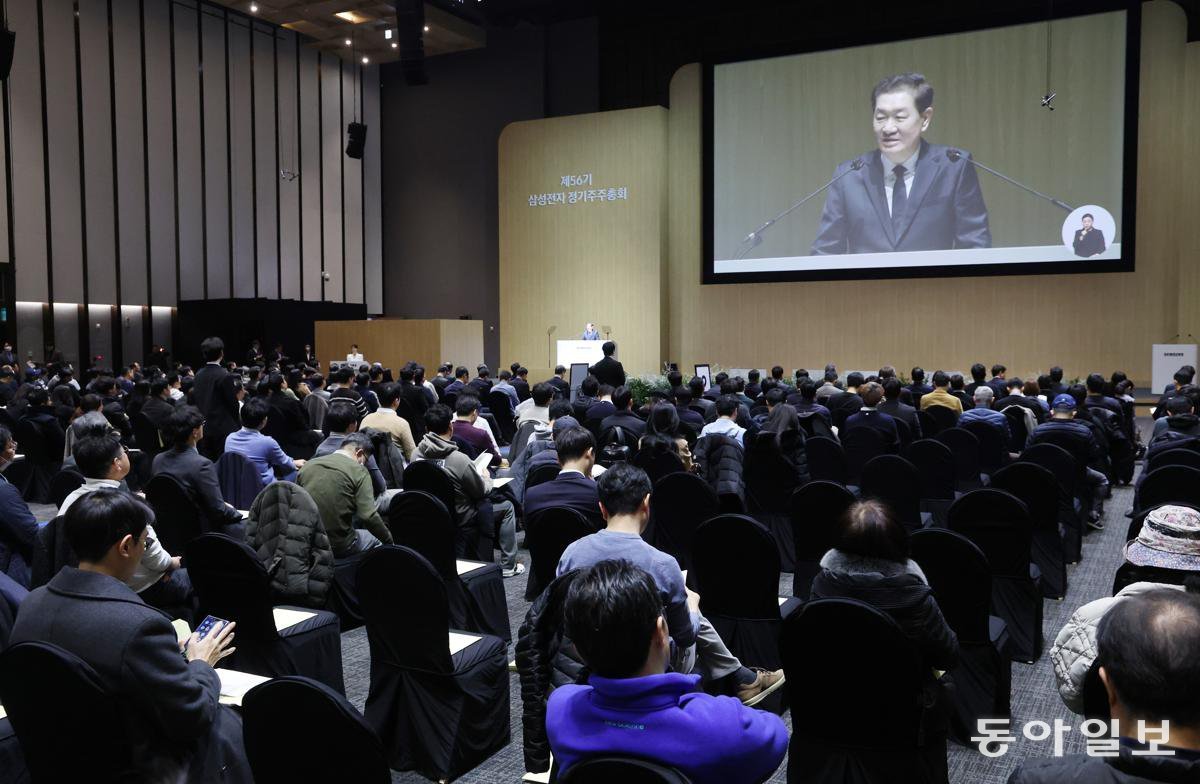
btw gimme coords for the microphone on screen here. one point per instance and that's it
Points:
(754, 238)
(954, 156)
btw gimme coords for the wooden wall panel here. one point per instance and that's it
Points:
(266, 167)
(332, 161)
(241, 160)
(28, 161)
(352, 184)
(373, 196)
(62, 134)
(160, 155)
(289, 151)
(310, 175)
(189, 163)
(130, 171)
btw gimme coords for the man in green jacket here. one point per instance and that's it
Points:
(341, 486)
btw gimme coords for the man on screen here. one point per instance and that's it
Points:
(1089, 241)
(909, 194)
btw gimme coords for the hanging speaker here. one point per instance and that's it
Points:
(356, 134)
(7, 40)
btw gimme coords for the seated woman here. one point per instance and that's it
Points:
(664, 420)
(784, 423)
(870, 563)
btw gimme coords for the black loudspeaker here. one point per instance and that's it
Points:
(7, 40)
(356, 139)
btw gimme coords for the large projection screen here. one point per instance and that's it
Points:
(779, 128)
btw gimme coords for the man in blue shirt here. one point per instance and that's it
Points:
(726, 422)
(633, 706)
(983, 412)
(263, 451)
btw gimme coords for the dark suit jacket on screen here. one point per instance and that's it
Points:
(1089, 244)
(945, 208)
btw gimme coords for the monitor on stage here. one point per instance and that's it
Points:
(1005, 150)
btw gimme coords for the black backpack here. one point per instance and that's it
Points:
(616, 446)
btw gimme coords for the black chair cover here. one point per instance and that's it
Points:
(1039, 491)
(993, 451)
(232, 584)
(929, 425)
(477, 603)
(429, 478)
(895, 481)
(500, 404)
(542, 473)
(436, 713)
(935, 467)
(177, 521)
(999, 525)
(843, 657)
(69, 727)
(547, 535)
(239, 479)
(1171, 484)
(1017, 429)
(627, 770)
(1128, 573)
(658, 466)
(943, 418)
(860, 445)
(283, 750)
(12, 761)
(40, 463)
(678, 504)
(826, 460)
(816, 510)
(1178, 456)
(63, 484)
(965, 448)
(770, 481)
(1069, 474)
(961, 580)
(521, 440)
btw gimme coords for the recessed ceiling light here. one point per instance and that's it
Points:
(351, 17)
(395, 45)
(366, 60)
(253, 8)
(347, 42)
(427, 28)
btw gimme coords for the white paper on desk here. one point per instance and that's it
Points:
(460, 641)
(235, 684)
(285, 617)
(482, 462)
(468, 566)
(245, 513)
(501, 481)
(783, 599)
(3, 713)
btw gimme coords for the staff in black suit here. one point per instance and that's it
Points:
(174, 722)
(608, 370)
(1089, 241)
(215, 395)
(562, 387)
(574, 487)
(907, 194)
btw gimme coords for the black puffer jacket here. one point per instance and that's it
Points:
(286, 532)
(719, 459)
(546, 659)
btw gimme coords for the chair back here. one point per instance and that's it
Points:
(500, 404)
(273, 736)
(34, 444)
(1018, 431)
(1171, 484)
(896, 482)
(520, 439)
(542, 473)
(239, 479)
(964, 446)
(943, 418)
(428, 477)
(770, 477)
(843, 654)
(1036, 487)
(62, 484)
(679, 503)
(176, 519)
(993, 451)
(960, 577)
(405, 632)
(1128, 574)
(735, 565)
(813, 425)
(548, 532)
(815, 509)
(69, 727)
(146, 435)
(231, 583)
(861, 445)
(1179, 456)
(827, 460)
(415, 423)
(1059, 462)
(422, 523)
(658, 464)
(998, 523)
(627, 770)
(935, 468)
(929, 425)
(904, 431)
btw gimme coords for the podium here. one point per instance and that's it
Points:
(589, 351)
(1166, 359)
(393, 342)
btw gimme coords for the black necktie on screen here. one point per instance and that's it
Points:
(899, 199)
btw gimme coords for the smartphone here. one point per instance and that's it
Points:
(210, 623)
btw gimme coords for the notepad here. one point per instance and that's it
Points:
(468, 566)
(482, 462)
(783, 599)
(3, 713)
(245, 513)
(460, 641)
(234, 685)
(501, 481)
(285, 617)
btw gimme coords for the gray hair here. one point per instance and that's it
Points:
(983, 394)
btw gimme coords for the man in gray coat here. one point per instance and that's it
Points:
(175, 724)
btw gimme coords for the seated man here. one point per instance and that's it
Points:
(159, 406)
(600, 409)
(386, 419)
(893, 407)
(588, 389)
(562, 387)
(1179, 418)
(1077, 438)
(623, 416)
(1153, 690)
(574, 487)
(870, 416)
(196, 473)
(941, 395)
(18, 526)
(342, 420)
(340, 485)
(536, 408)
(177, 728)
(504, 384)
(683, 400)
(632, 706)
(959, 391)
(466, 415)
(696, 387)
(624, 493)
(726, 422)
(983, 412)
(104, 463)
(472, 506)
(261, 450)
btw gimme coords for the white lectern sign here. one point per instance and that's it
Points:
(571, 352)
(1168, 358)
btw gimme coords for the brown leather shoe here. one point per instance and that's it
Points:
(763, 686)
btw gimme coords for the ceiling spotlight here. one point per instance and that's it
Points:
(366, 60)
(253, 8)
(395, 45)
(348, 42)
(427, 28)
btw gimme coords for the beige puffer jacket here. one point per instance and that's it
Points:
(1074, 648)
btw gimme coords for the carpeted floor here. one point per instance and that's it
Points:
(1033, 692)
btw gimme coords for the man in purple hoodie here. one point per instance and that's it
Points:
(633, 706)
